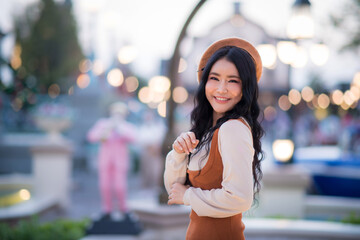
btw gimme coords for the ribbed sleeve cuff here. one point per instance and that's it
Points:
(186, 197)
(177, 157)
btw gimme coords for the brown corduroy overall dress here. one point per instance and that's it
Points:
(201, 228)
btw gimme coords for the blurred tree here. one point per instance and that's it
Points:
(349, 22)
(48, 45)
(44, 61)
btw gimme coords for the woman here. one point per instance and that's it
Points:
(215, 167)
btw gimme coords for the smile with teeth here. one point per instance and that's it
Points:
(221, 99)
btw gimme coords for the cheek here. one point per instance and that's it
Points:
(208, 90)
(238, 93)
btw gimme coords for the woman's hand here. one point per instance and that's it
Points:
(176, 194)
(185, 143)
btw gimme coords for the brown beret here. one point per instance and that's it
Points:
(236, 42)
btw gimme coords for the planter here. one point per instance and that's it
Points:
(53, 126)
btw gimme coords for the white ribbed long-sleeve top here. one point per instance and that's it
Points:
(236, 149)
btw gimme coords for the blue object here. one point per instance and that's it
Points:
(337, 186)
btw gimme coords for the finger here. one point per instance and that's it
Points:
(188, 139)
(194, 141)
(192, 137)
(183, 144)
(178, 147)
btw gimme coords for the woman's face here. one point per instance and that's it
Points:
(223, 88)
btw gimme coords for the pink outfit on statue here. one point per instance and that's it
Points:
(113, 159)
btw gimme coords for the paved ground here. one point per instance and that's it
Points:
(85, 196)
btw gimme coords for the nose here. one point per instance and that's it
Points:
(222, 88)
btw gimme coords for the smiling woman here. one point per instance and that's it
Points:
(215, 167)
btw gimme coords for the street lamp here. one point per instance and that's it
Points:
(301, 24)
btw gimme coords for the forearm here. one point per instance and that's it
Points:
(217, 203)
(175, 169)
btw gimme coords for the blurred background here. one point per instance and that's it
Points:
(64, 62)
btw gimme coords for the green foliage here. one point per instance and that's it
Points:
(50, 51)
(279, 217)
(32, 230)
(353, 218)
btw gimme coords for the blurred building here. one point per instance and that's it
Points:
(273, 81)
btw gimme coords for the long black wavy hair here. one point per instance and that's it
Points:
(247, 107)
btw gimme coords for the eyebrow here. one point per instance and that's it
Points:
(230, 76)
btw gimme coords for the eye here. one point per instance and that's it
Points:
(214, 78)
(234, 81)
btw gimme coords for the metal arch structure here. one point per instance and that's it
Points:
(173, 75)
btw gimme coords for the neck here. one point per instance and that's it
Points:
(216, 116)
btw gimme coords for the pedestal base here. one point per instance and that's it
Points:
(129, 225)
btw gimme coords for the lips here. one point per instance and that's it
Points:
(221, 99)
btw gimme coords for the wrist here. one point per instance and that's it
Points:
(178, 157)
(186, 197)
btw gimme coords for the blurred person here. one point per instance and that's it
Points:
(114, 134)
(215, 167)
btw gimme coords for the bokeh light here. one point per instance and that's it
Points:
(323, 101)
(270, 113)
(6, 76)
(157, 96)
(127, 54)
(294, 96)
(115, 77)
(307, 93)
(85, 65)
(300, 25)
(337, 97)
(131, 83)
(180, 95)
(315, 101)
(71, 91)
(162, 109)
(145, 95)
(182, 65)
(98, 67)
(15, 60)
(349, 98)
(83, 81)
(301, 58)
(167, 95)
(321, 113)
(356, 79)
(355, 91)
(268, 55)
(284, 103)
(283, 149)
(54, 90)
(24, 194)
(286, 51)
(159, 84)
(344, 105)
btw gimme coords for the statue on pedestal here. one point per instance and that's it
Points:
(114, 134)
